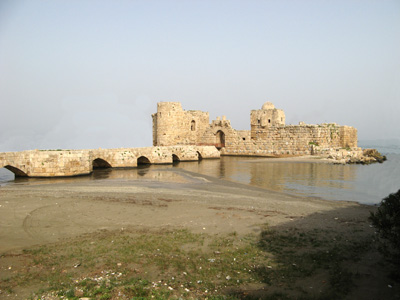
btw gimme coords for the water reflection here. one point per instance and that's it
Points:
(365, 184)
(142, 172)
(281, 176)
(101, 173)
(274, 175)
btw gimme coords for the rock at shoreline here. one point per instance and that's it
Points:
(350, 155)
(374, 154)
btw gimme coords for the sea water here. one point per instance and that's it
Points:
(367, 184)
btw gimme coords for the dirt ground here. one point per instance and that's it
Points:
(50, 211)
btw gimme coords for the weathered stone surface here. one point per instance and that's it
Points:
(48, 163)
(269, 136)
(180, 135)
(174, 126)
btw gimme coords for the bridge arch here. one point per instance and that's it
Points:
(199, 155)
(100, 163)
(175, 158)
(17, 172)
(143, 160)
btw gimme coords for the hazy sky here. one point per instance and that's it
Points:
(88, 74)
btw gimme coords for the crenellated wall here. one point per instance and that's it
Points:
(269, 136)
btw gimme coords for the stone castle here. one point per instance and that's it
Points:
(180, 135)
(268, 136)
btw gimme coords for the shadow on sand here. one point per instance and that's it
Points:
(328, 255)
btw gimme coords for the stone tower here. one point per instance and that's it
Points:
(174, 126)
(262, 119)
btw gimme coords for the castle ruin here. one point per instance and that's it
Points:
(268, 136)
(180, 135)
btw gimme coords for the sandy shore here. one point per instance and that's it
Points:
(53, 211)
(48, 211)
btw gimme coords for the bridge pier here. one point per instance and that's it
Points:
(47, 163)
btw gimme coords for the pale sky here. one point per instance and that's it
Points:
(88, 74)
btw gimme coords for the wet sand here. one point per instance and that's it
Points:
(50, 211)
(38, 212)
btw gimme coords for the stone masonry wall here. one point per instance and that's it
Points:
(268, 135)
(348, 137)
(279, 140)
(212, 136)
(37, 163)
(48, 163)
(294, 140)
(174, 126)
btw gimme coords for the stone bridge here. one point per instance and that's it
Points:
(58, 163)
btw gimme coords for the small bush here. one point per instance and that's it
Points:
(387, 221)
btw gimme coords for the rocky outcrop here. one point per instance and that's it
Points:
(372, 155)
(349, 155)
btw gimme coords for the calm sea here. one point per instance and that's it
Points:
(360, 183)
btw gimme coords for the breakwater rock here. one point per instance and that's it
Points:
(350, 155)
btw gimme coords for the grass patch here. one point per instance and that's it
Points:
(131, 264)
(138, 265)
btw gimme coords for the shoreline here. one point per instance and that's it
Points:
(220, 169)
(301, 158)
(41, 212)
(81, 231)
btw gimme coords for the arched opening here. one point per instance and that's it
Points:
(99, 163)
(143, 165)
(6, 175)
(199, 155)
(143, 160)
(17, 172)
(193, 125)
(220, 143)
(175, 158)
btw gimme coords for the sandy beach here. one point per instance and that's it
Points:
(50, 212)
(47, 212)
